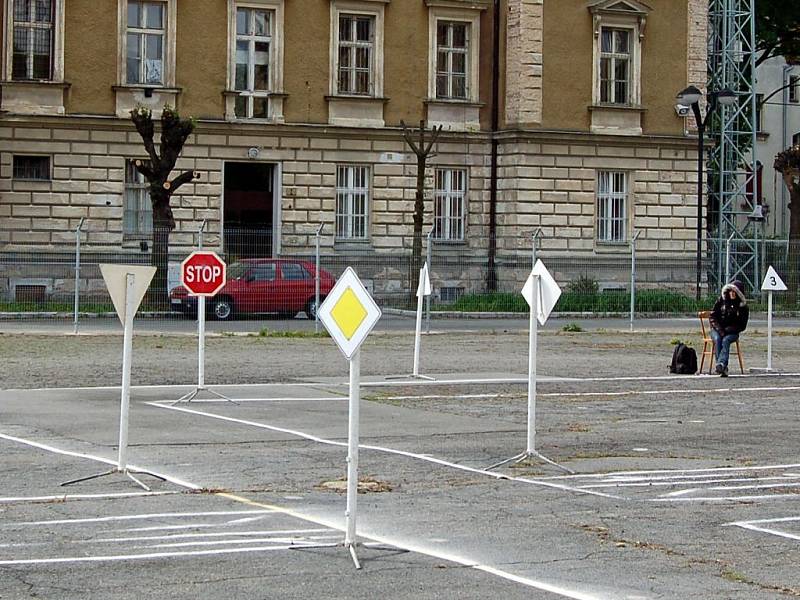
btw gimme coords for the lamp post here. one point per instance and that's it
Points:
(691, 97)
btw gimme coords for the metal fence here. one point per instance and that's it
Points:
(65, 282)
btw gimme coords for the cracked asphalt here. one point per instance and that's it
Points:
(684, 487)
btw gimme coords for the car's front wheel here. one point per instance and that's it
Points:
(311, 307)
(223, 308)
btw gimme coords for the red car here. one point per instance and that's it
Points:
(262, 285)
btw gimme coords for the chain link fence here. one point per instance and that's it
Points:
(60, 282)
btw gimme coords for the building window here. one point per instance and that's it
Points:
(612, 206)
(144, 59)
(352, 202)
(33, 40)
(137, 217)
(794, 88)
(452, 58)
(759, 112)
(355, 54)
(448, 207)
(252, 69)
(615, 65)
(32, 168)
(796, 139)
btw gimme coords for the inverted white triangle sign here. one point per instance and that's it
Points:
(773, 282)
(424, 287)
(549, 292)
(115, 277)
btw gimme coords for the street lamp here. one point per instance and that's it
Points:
(691, 97)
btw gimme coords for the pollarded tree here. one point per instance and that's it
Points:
(156, 170)
(787, 163)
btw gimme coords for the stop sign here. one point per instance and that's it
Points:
(203, 273)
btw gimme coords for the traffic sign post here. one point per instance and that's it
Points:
(423, 292)
(541, 292)
(772, 283)
(127, 285)
(349, 313)
(203, 275)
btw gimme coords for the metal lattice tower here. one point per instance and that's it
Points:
(731, 166)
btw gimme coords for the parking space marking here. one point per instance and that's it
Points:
(148, 516)
(756, 526)
(107, 461)
(395, 451)
(65, 497)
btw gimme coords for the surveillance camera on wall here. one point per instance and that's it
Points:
(253, 152)
(682, 110)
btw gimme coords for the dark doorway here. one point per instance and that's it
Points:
(248, 209)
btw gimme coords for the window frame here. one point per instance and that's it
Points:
(472, 19)
(794, 89)
(610, 14)
(49, 169)
(604, 219)
(614, 58)
(275, 93)
(348, 213)
(443, 220)
(56, 44)
(369, 8)
(167, 46)
(141, 190)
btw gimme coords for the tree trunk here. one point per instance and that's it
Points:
(419, 211)
(163, 224)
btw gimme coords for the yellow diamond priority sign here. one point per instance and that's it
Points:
(349, 313)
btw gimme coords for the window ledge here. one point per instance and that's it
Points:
(356, 111)
(622, 107)
(762, 136)
(454, 102)
(129, 96)
(33, 96)
(454, 115)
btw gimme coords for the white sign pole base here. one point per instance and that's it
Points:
(531, 454)
(125, 396)
(352, 458)
(423, 291)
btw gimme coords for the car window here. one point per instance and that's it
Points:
(263, 272)
(294, 272)
(236, 270)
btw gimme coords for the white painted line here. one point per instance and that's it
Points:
(783, 534)
(287, 399)
(394, 451)
(100, 459)
(65, 497)
(193, 526)
(175, 515)
(151, 555)
(292, 541)
(177, 536)
(674, 473)
(666, 482)
(724, 499)
(775, 520)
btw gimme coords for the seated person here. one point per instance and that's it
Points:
(728, 319)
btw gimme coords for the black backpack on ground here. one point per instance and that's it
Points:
(684, 360)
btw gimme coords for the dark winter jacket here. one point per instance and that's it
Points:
(730, 315)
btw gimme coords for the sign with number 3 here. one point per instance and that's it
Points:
(773, 282)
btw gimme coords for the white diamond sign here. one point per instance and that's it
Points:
(424, 287)
(549, 292)
(773, 282)
(115, 277)
(349, 313)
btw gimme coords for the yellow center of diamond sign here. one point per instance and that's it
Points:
(349, 312)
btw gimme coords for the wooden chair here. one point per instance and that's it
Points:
(708, 344)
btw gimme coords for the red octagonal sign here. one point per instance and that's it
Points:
(203, 273)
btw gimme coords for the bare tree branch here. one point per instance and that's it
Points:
(184, 177)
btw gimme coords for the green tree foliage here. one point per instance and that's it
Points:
(777, 29)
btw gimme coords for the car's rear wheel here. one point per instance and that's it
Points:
(311, 307)
(223, 308)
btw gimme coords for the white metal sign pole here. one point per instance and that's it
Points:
(769, 330)
(532, 368)
(201, 339)
(127, 349)
(418, 333)
(352, 456)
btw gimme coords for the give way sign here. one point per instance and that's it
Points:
(203, 273)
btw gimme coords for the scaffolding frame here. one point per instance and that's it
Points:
(732, 176)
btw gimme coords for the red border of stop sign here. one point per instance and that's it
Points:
(215, 281)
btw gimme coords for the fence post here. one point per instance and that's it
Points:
(316, 280)
(534, 240)
(633, 274)
(428, 297)
(77, 274)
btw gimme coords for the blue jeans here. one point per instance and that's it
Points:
(722, 346)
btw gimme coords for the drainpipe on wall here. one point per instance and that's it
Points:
(491, 275)
(786, 73)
